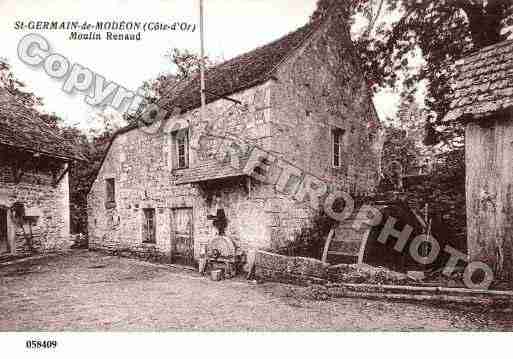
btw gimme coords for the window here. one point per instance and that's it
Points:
(149, 230)
(181, 140)
(110, 188)
(337, 141)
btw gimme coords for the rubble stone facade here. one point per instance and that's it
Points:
(45, 226)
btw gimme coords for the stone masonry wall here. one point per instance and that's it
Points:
(320, 88)
(142, 168)
(46, 204)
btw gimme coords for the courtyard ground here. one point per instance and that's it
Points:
(90, 291)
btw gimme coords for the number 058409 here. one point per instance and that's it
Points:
(41, 344)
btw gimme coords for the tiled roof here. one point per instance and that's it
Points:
(483, 84)
(241, 72)
(22, 127)
(206, 172)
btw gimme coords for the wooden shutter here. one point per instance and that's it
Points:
(110, 187)
(149, 226)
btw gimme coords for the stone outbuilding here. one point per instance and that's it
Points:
(483, 101)
(34, 185)
(302, 98)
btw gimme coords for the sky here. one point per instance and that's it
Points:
(232, 27)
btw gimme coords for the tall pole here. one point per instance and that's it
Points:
(202, 61)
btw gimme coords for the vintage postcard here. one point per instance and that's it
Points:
(254, 166)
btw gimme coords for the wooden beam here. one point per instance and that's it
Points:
(57, 180)
(223, 97)
(17, 169)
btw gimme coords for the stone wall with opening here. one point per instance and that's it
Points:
(44, 226)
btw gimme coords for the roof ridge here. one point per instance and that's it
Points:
(315, 26)
(313, 30)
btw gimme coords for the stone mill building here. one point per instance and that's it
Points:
(302, 98)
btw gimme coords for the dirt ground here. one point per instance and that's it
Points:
(89, 291)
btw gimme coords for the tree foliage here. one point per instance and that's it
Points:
(16, 87)
(83, 174)
(443, 31)
(186, 65)
(186, 62)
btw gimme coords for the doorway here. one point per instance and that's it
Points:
(182, 242)
(4, 237)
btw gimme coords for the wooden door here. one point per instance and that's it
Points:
(4, 241)
(182, 242)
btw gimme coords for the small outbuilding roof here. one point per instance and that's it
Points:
(207, 172)
(483, 84)
(22, 127)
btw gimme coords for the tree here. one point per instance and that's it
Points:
(443, 31)
(186, 64)
(16, 87)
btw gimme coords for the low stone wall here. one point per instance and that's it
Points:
(296, 270)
